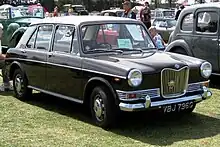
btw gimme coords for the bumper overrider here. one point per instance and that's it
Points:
(151, 98)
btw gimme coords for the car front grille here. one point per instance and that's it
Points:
(174, 82)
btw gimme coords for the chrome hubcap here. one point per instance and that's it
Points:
(98, 108)
(18, 83)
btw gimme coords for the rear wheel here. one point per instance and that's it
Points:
(103, 107)
(20, 84)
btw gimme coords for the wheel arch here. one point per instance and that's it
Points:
(179, 44)
(15, 65)
(16, 36)
(92, 83)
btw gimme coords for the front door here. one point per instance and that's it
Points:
(36, 55)
(64, 63)
(206, 39)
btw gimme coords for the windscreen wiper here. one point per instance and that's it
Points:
(104, 50)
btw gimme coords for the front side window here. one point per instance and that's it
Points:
(207, 22)
(113, 37)
(63, 38)
(187, 22)
(44, 36)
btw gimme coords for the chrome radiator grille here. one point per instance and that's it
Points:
(174, 82)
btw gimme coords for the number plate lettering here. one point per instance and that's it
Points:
(178, 107)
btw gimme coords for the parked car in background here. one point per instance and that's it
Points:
(12, 18)
(162, 13)
(76, 9)
(96, 13)
(164, 26)
(112, 12)
(108, 72)
(197, 34)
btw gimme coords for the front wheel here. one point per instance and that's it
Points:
(103, 108)
(20, 83)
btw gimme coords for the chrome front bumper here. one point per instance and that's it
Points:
(126, 106)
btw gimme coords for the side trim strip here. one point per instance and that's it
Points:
(57, 95)
(66, 66)
(216, 74)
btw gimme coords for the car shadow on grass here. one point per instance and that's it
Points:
(215, 82)
(159, 129)
(148, 127)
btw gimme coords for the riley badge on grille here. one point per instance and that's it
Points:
(177, 66)
(171, 85)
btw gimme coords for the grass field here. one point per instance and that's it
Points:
(48, 121)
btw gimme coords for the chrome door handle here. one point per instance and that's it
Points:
(23, 51)
(50, 54)
(215, 39)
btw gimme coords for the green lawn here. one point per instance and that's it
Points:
(48, 121)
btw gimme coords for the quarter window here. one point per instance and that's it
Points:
(31, 42)
(207, 22)
(187, 22)
(44, 36)
(63, 39)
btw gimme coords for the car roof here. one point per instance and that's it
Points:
(164, 18)
(113, 10)
(77, 20)
(203, 5)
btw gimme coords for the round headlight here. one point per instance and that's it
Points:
(206, 69)
(134, 78)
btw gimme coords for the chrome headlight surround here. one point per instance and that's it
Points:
(134, 77)
(206, 69)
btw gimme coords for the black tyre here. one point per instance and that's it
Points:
(103, 108)
(20, 84)
(180, 51)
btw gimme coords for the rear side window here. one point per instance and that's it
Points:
(43, 37)
(207, 22)
(63, 38)
(31, 42)
(29, 37)
(187, 22)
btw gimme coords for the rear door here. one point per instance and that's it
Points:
(35, 55)
(206, 42)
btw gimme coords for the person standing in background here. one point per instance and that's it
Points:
(145, 15)
(55, 12)
(128, 13)
(179, 11)
(1, 33)
(6, 86)
(158, 40)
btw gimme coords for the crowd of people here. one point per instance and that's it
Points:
(145, 17)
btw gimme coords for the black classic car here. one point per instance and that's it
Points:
(197, 34)
(107, 63)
